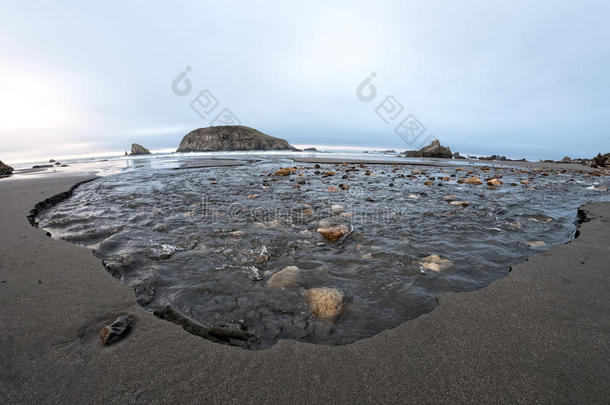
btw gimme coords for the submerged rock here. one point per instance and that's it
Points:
(541, 218)
(333, 233)
(229, 138)
(324, 303)
(434, 150)
(462, 204)
(287, 277)
(494, 182)
(137, 149)
(435, 263)
(5, 169)
(116, 330)
(337, 209)
(536, 243)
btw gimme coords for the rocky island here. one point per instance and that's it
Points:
(434, 150)
(137, 149)
(231, 138)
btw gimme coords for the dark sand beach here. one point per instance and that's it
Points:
(540, 334)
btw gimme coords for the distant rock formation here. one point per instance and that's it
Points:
(434, 150)
(137, 149)
(5, 170)
(601, 160)
(310, 150)
(231, 138)
(494, 157)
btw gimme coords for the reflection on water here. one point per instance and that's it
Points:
(207, 241)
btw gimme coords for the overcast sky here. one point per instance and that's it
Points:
(516, 78)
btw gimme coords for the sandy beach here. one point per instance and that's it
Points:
(541, 334)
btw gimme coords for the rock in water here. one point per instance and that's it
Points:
(285, 171)
(434, 150)
(137, 149)
(462, 204)
(472, 180)
(229, 138)
(337, 209)
(287, 277)
(333, 233)
(324, 303)
(5, 170)
(116, 330)
(494, 182)
(435, 263)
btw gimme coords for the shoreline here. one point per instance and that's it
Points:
(57, 296)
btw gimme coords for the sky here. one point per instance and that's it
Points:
(519, 78)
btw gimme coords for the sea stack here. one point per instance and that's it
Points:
(5, 170)
(434, 150)
(231, 138)
(137, 149)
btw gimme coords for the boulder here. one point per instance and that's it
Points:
(116, 330)
(494, 182)
(5, 170)
(324, 303)
(231, 138)
(287, 277)
(434, 150)
(137, 149)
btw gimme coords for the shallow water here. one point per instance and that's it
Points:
(171, 234)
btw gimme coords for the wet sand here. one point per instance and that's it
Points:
(540, 334)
